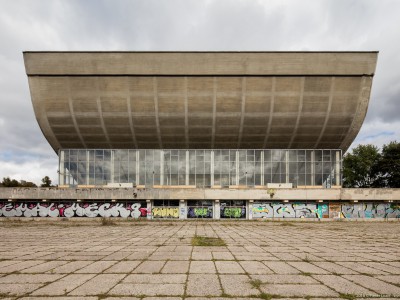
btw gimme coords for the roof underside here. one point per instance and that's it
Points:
(200, 100)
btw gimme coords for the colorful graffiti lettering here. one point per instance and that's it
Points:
(69, 210)
(294, 210)
(200, 212)
(370, 210)
(165, 212)
(233, 212)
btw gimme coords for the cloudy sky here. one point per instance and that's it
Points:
(336, 25)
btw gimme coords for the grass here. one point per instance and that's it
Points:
(107, 222)
(255, 283)
(207, 241)
(287, 223)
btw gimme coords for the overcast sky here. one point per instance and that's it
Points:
(337, 25)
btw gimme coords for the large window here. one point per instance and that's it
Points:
(201, 168)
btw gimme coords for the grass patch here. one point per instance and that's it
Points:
(305, 273)
(107, 222)
(207, 241)
(266, 296)
(255, 283)
(287, 223)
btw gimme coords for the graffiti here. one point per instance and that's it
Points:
(90, 210)
(370, 210)
(200, 212)
(233, 212)
(165, 212)
(294, 210)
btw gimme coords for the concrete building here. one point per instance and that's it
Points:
(200, 134)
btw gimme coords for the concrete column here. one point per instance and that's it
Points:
(337, 166)
(149, 212)
(312, 167)
(161, 167)
(112, 167)
(61, 169)
(87, 166)
(182, 209)
(137, 167)
(249, 212)
(287, 165)
(187, 168)
(237, 167)
(262, 167)
(217, 212)
(212, 167)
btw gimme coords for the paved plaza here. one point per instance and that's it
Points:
(156, 260)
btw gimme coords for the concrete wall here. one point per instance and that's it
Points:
(334, 194)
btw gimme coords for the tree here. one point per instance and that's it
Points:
(361, 167)
(389, 164)
(7, 182)
(46, 181)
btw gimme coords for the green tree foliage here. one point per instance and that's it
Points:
(46, 181)
(361, 167)
(366, 167)
(7, 182)
(389, 164)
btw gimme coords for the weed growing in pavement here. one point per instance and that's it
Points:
(207, 241)
(255, 283)
(107, 222)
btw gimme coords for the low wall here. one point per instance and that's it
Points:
(256, 210)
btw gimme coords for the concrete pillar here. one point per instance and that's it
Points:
(237, 168)
(187, 168)
(112, 166)
(217, 211)
(182, 209)
(137, 167)
(61, 169)
(312, 167)
(287, 166)
(262, 167)
(161, 167)
(249, 212)
(337, 166)
(212, 167)
(87, 166)
(149, 212)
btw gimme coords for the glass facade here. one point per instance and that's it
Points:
(200, 168)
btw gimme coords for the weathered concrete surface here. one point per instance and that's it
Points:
(200, 100)
(340, 194)
(302, 260)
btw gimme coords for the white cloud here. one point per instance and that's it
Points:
(188, 25)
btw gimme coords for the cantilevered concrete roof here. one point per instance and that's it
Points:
(200, 99)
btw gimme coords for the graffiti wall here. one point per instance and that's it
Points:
(289, 210)
(233, 212)
(200, 212)
(165, 212)
(69, 210)
(370, 210)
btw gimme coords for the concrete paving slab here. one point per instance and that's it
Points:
(172, 267)
(64, 285)
(255, 267)
(296, 290)
(281, 279)
(123, 266)
(202, 267)
(280, 267)
(203, 285)
(97, 285)
(96, 267)
(18, 289)
(237, 285)
(129, 289)
(150, 267)
(29, 278)
(155, 278)
(229, 267)
(378, 286)
(344, 286)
